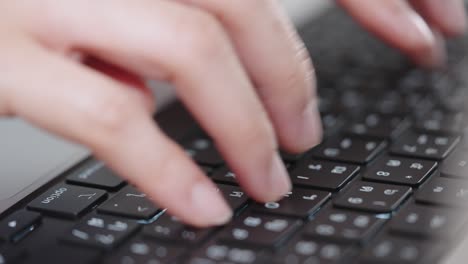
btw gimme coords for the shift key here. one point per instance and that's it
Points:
(67, 201)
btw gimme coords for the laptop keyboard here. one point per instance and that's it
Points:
(388, 184)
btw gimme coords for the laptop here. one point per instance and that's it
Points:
(387, 185)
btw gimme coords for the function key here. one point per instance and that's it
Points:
(19, 224)
(373, 197)
(400, 170)
(100, 232)
(170, 228)
(321, 174)
(390, 250)
(203, 151)
(259, 230)
(142, 251)
(420, 145)
(350, 149)
(67, 200)
(131, 203)
(456, 165)
(343, 226)
(422, 221)
(234, 195)
(298, 203)
(378, 125)
(96, 175)
(444, 191)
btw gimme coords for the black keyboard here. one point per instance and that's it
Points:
(387, 185)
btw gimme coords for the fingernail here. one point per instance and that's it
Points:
(311, 132)
(208, 202)
(280, 183)
(432, 53)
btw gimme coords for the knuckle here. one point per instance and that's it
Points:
(205, 35)
(258, 132)
(110, 114)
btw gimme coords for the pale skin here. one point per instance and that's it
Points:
(219, 54)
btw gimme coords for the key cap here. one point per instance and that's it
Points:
(343, 226)
(167, 227)
(456, 165)
(11, 255)
(439, 121)
(444, 191)
(94, 174)
(349, 149)
(203, 151)
(390, 250)
(19, 224)
(379, 126)
(235, 197)
(424, 146)
(148, 252)
(224, 175)
(297, 203)
(399, 170)
(373, 197)
(224, 253)
(67, 201)
(423, 221)
(259, 230)
(306, 250)
(323, 174)
(60, 254)
(131, 203)
(288, 157)
(104, 232)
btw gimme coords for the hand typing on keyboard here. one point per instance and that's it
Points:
(239, 66)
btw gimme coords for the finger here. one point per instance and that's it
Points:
(448, 16)
(165, 39)
(278, 64)
(398, 24)
(89, 108)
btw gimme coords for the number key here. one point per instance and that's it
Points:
(400, 170)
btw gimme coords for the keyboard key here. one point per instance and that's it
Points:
(426, 146)
(323, 174)
(373, 197)
(331, 122)
(235, 197)
(298, 203)
(131, 203)
(95, 174)
(439, 121)
(288, 157)
(390, 250)
(306, 250)
(103, 232)
(19, 224)
(349, 149)
(11, 255)
(224, 253)
(456, 165)
(169, 228)
(379, 126)
(259, 230)
(67, 200)
(59, 254)
(224, 175)
(343, 226)
(444, 191)
(422, 221)
(400, 170)
(148, 252)
(203, 151)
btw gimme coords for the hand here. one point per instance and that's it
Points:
(237, 65)
(415, 26)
